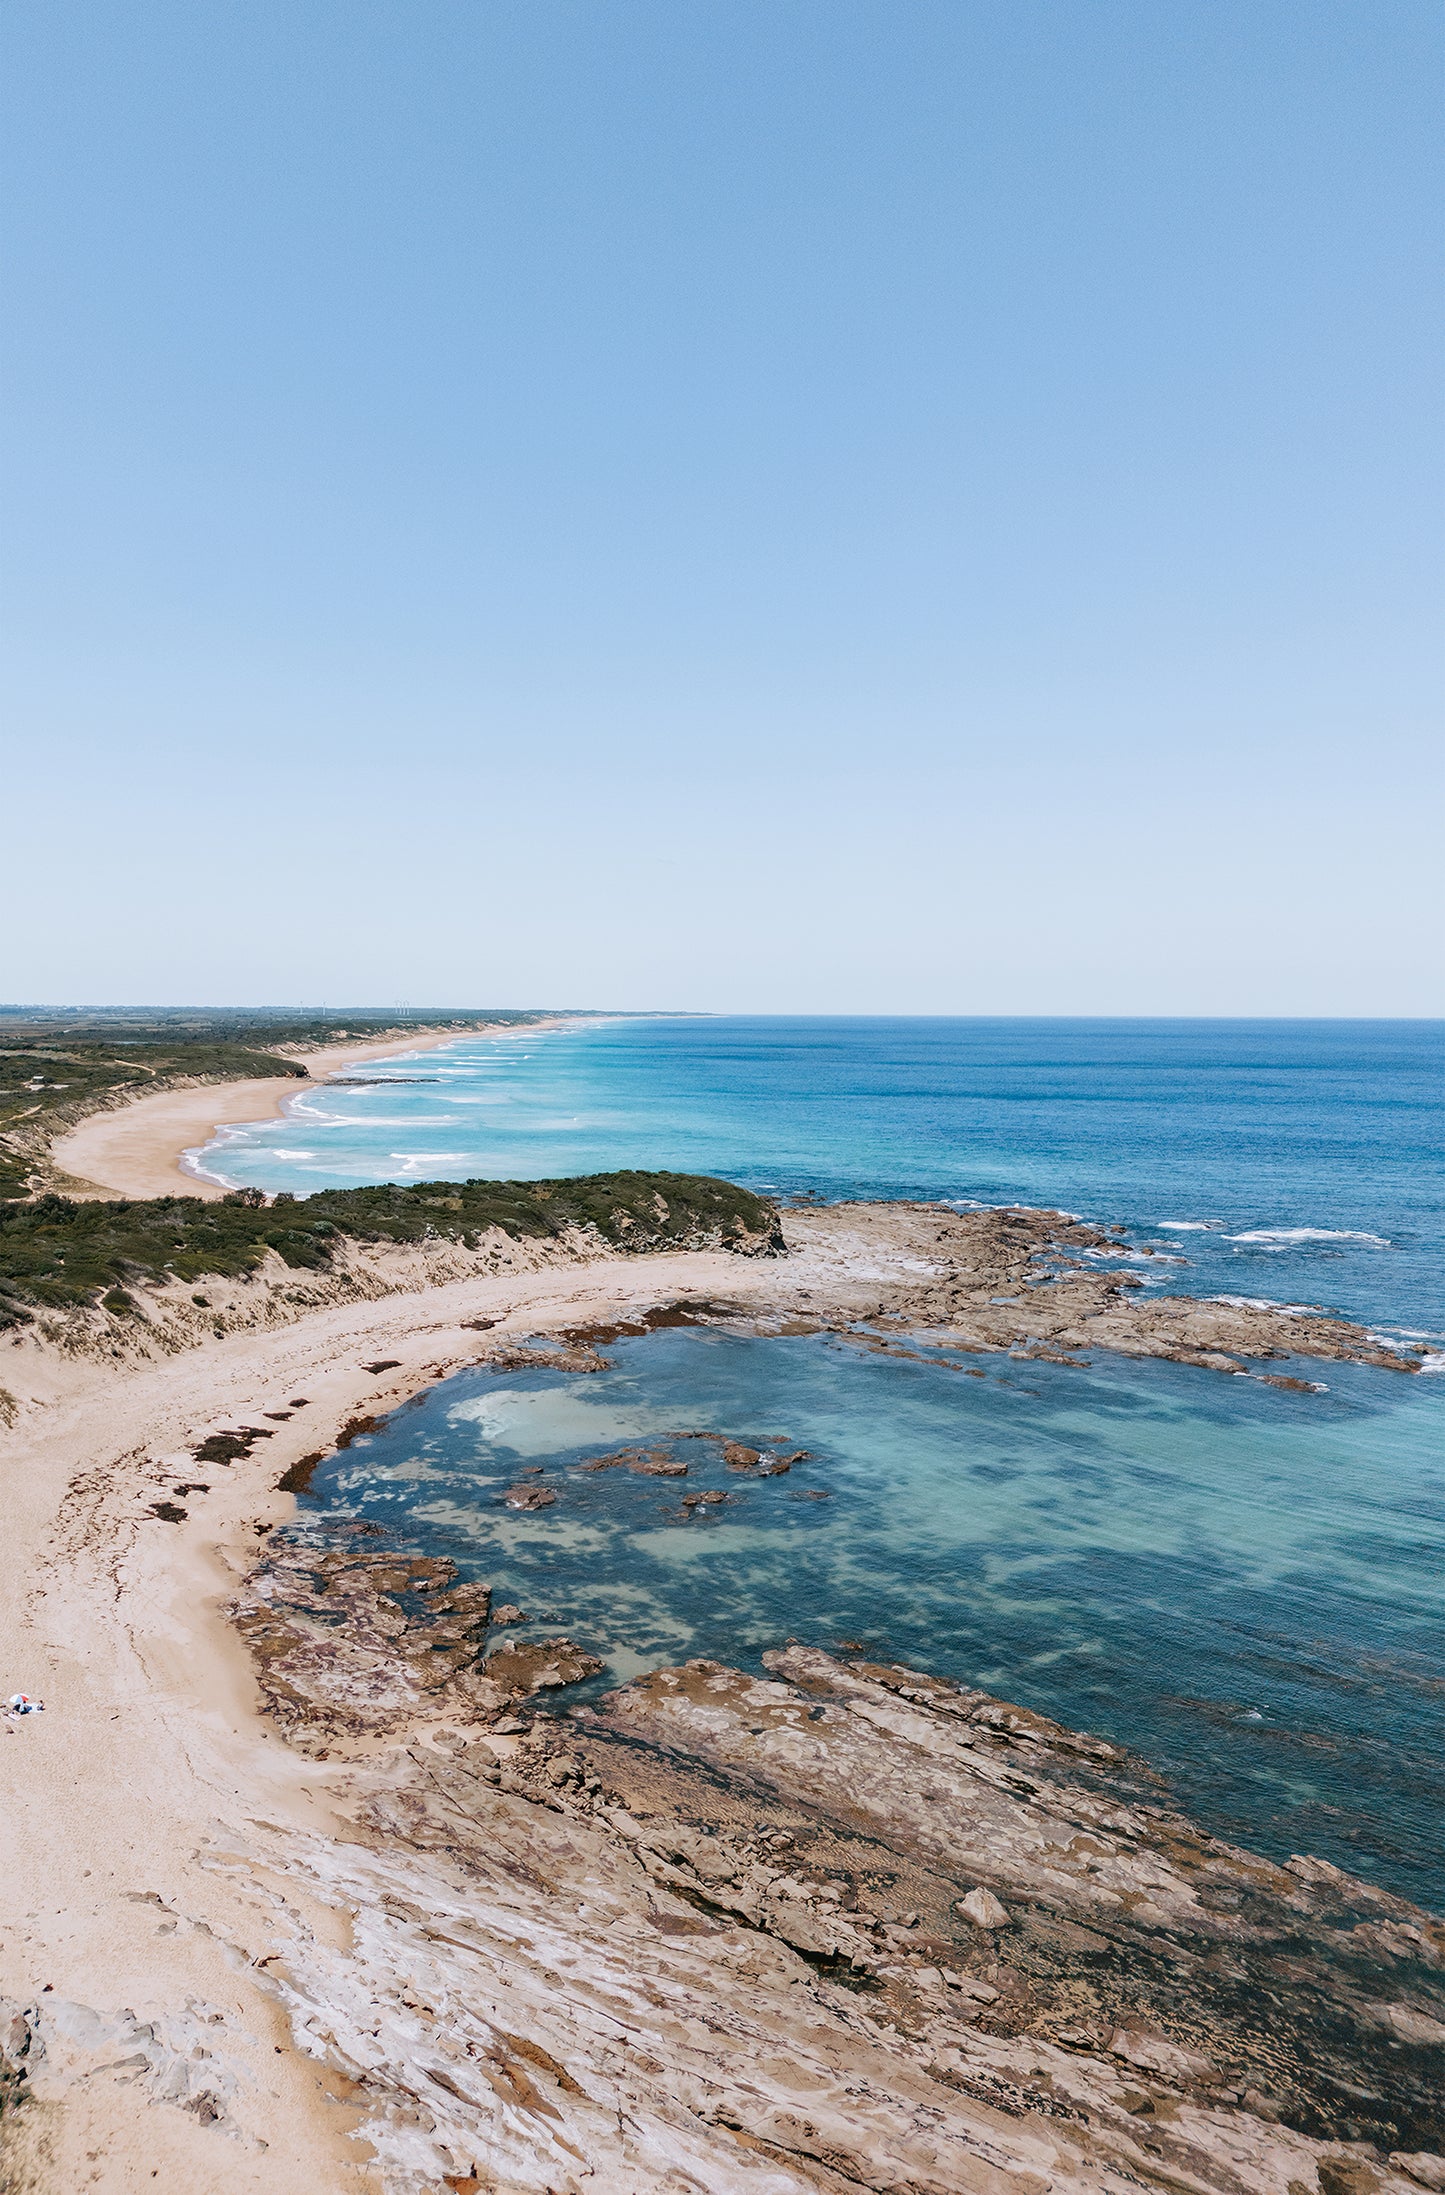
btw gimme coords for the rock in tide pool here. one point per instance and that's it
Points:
(540, 1665)
(529, 1496)
(352, 1640)
(656, 1463)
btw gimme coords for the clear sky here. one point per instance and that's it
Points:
(775, 505)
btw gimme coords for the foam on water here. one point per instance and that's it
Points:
(1283, 1235)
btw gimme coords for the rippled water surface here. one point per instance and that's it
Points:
(1298, 1160)
(1243, 1584)
(1247, 1586)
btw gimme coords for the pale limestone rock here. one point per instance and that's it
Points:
(1421, 2165)
(984, 1909)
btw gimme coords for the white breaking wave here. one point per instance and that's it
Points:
(1393, 1342)
(1190, 1226)
(190, 1163)
(1265, 1303)
(382, 1120)
(1283, 1236)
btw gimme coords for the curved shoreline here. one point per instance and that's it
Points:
(153, 1754)
(238, 1953)
(140, 1149)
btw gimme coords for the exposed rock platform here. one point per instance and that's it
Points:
(1042, 1284)
(838, 1926)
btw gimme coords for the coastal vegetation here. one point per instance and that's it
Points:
(57, 1067)
(44, 1087)
(56, 1252)
(255, 1027)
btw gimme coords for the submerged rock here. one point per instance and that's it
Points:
(529, 1496)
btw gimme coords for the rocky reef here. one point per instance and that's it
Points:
(350, 1639)
(834, 1926)
(1045, 1284)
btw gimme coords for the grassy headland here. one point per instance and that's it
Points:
(56, 1253)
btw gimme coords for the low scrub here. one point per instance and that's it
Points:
(56, 1253)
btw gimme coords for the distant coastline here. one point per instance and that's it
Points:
(140, 1149)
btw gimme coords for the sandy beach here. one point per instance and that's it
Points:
(186, 1948)
(150, 1757)
(137, 1149)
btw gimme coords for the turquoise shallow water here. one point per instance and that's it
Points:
(1245, 1585)
(1242, 1584)
(1298, 1160)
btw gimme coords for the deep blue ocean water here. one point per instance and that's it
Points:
(1297, 1160)
(1247, 1586)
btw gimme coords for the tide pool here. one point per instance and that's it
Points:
(1242, 1584)
(1245, 1586)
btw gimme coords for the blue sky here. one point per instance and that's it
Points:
(773, 505)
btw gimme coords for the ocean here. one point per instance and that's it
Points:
(1244, 1585)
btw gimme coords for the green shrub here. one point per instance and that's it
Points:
(56, 1252)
